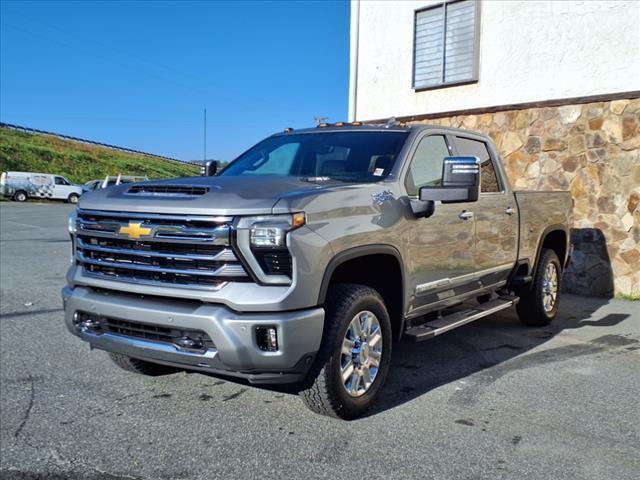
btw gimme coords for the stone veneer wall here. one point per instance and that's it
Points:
(593, 150)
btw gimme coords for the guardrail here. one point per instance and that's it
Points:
(91, 142)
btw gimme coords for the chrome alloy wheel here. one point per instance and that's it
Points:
(550, 287)
(361, 353)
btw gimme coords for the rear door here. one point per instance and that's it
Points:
(40, 185)
(495, 212)
(440, 249)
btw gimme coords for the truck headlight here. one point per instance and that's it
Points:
(271, 231)
(262, 241)
(73, 222)
(72, 226)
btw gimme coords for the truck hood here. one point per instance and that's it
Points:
(224, 195)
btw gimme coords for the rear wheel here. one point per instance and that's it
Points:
(140, 366)
(538, 305)
(20, 196)
(73, 198)
(354, 357)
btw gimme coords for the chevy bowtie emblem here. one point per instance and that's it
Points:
(134, 230)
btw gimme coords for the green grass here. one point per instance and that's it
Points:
(27, 152)
(628, 298)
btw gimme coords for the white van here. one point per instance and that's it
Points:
(22, 185)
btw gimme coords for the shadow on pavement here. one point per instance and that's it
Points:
(492, 348)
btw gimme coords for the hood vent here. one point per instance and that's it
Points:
(168, 190)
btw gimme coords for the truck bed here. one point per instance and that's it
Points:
(540, 211)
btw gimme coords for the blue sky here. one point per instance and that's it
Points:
(138, 74)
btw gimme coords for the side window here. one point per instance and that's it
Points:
(40, 180)
(475, 148)
(426, 165)
(60, 181)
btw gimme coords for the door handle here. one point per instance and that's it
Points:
(465, 215)
(510, 211)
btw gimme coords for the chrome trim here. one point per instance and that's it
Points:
(471, 318)
(225, 255)
(469, 277)
(157, 216)
(210, 231)
(219, 235)
(422, 309)
(158, 350)
(154, 283)
(225, 270)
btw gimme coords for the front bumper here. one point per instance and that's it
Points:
(236, 351)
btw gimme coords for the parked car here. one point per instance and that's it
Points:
(23, 185)
(110, 181)
(310, 254)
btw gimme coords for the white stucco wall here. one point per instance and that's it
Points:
(529, 51)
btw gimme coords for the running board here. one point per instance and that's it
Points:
(457, 319)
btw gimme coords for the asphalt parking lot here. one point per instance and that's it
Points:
(491, 400)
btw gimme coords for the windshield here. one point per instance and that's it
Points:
(363, 156)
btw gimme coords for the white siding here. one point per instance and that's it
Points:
(529, 51)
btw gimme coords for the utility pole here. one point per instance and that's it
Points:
(205, 135)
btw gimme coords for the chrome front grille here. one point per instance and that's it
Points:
(183, 251)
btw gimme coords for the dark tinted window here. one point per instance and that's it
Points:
(60, 181)
(475, 148)
(426, 165)
(363, 156)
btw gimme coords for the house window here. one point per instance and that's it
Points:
(446, 45)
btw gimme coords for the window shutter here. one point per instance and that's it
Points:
(445, 44)
(429, 47)
(460, 42)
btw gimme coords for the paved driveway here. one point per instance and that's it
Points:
(490, 400)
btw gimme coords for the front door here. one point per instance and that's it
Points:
(440, 256)
(61, 188)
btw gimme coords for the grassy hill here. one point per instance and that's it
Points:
(27, 152)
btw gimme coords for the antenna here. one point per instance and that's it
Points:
(205, 135)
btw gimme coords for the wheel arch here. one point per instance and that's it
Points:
(557, 238)
(359, 265)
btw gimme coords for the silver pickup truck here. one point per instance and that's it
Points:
(312, 253)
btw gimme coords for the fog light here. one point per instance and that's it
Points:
(267, 339)
(84, 322)
(191, 343)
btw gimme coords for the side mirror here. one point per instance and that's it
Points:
(209, 169)
(460, 182)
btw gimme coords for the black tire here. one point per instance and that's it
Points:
(134, 365)
(73, 198)
(324, 391)
(20, 196)
(531, 308)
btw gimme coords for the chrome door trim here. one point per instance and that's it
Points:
(449, 282)
(453, 300)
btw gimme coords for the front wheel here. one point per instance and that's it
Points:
(354, 357)
(73, 198)
(538, 305)
(20, 196)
